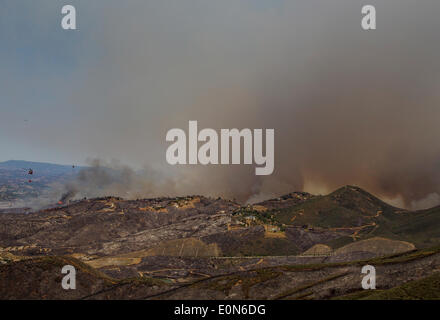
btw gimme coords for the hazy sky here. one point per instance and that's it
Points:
(100, 91)
(348, 106)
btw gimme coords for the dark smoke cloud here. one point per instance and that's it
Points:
(353, 107)
(103, 179)
(347, 106)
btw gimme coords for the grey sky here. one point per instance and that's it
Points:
(348, 106)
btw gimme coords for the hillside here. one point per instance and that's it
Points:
(39, 278)
(196, 239)
(346, 207)
(113, 226)
(346, 215)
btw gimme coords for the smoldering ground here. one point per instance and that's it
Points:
(104, 179)
(348, 106)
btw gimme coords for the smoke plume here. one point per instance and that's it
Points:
(348, 106)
